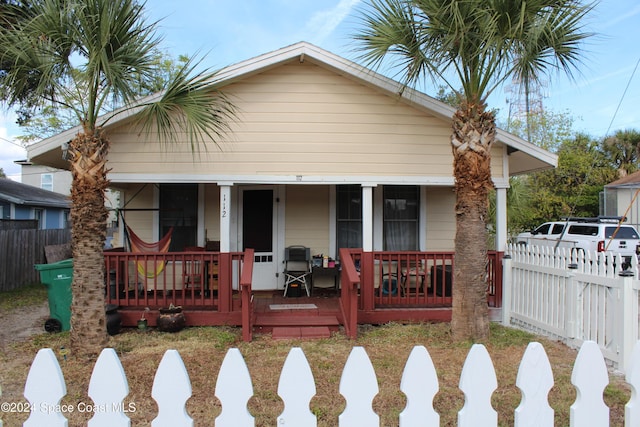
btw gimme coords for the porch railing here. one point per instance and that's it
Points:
(246, 295)
(193, 280)
(415, 279)
(350, 282)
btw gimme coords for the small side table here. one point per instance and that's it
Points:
(317, 272)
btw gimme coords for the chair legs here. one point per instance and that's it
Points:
(295, 278)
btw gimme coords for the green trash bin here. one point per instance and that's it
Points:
(57, 278)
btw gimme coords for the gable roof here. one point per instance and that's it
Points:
(631, 180)
(524, 157)
(28, 195)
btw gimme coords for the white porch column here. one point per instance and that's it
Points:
(225, 218)
(501, 219)
(367, 218)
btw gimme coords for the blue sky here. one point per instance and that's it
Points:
(602, 98)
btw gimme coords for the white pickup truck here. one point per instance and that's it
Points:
(599, 234)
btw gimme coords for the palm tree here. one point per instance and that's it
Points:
(476, 45)
(623, 148)
(87, 56)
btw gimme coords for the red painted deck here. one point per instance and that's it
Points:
(214, 288)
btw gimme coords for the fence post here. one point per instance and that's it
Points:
(629, 319)
(572, 303)
(507, 277)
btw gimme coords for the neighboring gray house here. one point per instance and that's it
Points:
(45, 177)
(59, 180)
(22, 201)
(621, 197)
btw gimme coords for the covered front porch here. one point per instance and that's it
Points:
(215, 288)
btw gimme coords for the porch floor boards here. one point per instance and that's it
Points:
(308, 318)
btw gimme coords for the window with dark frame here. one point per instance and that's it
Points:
(401, 217)
(179, 209)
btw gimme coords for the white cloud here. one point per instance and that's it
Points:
(322, 23)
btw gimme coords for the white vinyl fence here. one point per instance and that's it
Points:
(573, 297)
(108, 388)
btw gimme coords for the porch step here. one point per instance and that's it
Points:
(291, 320)
(305, 332)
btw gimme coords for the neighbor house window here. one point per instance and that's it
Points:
(349, 216)
(401, 212)
(46, 181)
(179, 209)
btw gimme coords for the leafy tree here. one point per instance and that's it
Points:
(573, 188)
(547, 129)
(475, 45)
(2, 174)
(86, 55)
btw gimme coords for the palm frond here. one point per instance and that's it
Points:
(191, 105)
(481, 43)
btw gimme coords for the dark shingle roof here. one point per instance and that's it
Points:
(23, 194)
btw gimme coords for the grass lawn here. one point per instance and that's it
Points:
(388, 346)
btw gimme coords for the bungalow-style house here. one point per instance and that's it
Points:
(325, 154)
(25, 202)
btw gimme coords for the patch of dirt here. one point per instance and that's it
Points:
(20, 323)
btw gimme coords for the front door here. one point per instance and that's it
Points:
(258, 228)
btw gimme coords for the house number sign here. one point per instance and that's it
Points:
(224, 206)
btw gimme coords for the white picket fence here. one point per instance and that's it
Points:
(108, 387)
(573, 297)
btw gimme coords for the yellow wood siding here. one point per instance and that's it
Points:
(441, 219)
(140, 196)
(307, 217)
(301, 119)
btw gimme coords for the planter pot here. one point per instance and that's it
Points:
(142, 324)
(171, 319)
(114, 320)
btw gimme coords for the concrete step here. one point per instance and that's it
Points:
(305, 332)
(267, 320)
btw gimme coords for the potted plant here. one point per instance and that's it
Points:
(142, 322)
(171, 319)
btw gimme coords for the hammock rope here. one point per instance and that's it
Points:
(140, 246)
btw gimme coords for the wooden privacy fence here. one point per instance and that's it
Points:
(21, 249)
(573, 297)
(108, 388)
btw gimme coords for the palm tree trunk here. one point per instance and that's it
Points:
(88, 231)
(473, 135)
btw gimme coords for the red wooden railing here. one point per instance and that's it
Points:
(371, 283)
(415, 279)
(246, 296)
(350, 282)
(193, 280)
